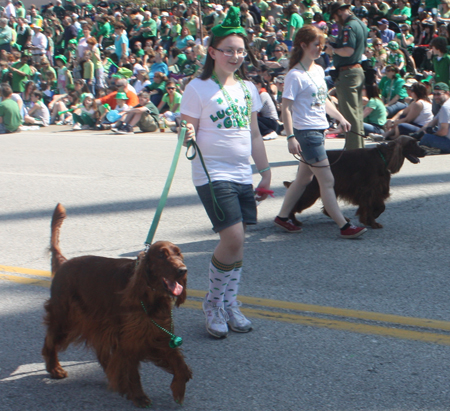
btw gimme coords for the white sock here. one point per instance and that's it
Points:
(219, 275)
(233, 285)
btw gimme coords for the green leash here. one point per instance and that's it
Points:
(165, 193)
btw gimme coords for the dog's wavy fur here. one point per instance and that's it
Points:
(97, 301)
(362, 178)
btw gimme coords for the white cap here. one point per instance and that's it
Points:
(219, 7)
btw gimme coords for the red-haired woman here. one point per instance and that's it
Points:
(305, 106)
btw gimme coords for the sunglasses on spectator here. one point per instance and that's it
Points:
(437, 93)
(170, 88)
(278, 50)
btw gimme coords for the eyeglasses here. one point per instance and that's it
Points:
(231, 52)
(377, 44)
(170, 88)
(439, 93)
(278, 50)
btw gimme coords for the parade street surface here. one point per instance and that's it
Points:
(338, 324)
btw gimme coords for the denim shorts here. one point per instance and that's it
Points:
(312, 143)
(237, 202)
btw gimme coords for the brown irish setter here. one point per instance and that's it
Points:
(362, 177)
(113, 306)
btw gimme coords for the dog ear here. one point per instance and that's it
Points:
(397, 158)
(137, 285)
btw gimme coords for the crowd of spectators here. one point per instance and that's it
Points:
(86, 64)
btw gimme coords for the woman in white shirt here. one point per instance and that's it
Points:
(413, 117)
(305, 106)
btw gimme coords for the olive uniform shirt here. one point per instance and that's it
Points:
(354, 35)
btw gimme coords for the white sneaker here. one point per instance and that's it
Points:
(76, 127)
(237, 321)
(216, 318)
(271, 136)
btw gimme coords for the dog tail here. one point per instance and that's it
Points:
(57, 258)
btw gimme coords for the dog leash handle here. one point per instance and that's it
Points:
(165, 192)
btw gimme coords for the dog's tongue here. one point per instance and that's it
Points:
(174, 287)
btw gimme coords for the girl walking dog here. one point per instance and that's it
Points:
(221, 109)
(305, 106)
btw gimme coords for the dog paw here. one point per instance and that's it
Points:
(142, 401)
(58, 373)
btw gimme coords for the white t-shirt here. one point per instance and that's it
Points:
(444, 115)
(226, 148)
(308, 90)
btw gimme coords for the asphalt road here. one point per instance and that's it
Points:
(339, 324)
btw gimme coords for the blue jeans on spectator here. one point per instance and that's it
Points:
(432, 140)
(393, 109)
(406, 128)
(372, 129)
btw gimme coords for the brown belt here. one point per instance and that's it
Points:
(352, 66)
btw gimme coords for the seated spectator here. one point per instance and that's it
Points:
(405, 38)
(181, 42)
(21, 73)
(267, 116)
(414, 117)
(396, 57)
(392, 91)
(122, 86)
(440, 59)
(438, 140)
(157, 88)
(158, 66)
(10, 118)
(86, 116)
(374, 111)
(141, 81)
(145, 115)
(171, 100)
(386, 34)
(38, 114)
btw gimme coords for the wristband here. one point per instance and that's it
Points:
(290, 136)
(264, 169)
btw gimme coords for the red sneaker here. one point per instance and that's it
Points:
(288, 225)
(353, 231)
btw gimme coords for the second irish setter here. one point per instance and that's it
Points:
(362, 178)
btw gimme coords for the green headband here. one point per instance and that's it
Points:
(231, 24)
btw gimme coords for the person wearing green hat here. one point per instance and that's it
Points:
(395, 57)
(221, 109)
(121, 101)
(64, 75)
(437, 132)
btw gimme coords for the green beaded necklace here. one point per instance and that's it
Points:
(174, 341)
(242, 119)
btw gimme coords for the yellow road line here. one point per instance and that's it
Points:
(20, 270)
(339, 325)
(294, 318)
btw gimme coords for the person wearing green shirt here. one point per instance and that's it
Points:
(21, 72)
(392, 91)
(402, 14)
(149, 27)
(20, 10)
(172, 98)
(374, 113)
(295, 23)
(263, 6)
(10, 118)
(440, 60)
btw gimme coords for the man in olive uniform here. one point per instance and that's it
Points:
(347, 53)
